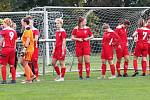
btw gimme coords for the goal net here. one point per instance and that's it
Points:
(44, 20)
(95, 18)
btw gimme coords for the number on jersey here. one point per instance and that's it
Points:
(111, 41)
(11, 34)
(145, 34)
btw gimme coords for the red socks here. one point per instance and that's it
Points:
(125, 67)
(118, 67)
(80, 68)
(87, 65)
(144, 66)
(57, 70)
(3, 71)
(13, 72)
(135, 65)
(112, 67)
(63, 70)
(35, 63)
(149, 64)
(103, 69)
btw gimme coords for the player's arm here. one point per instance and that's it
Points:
(89, 38)
(116, 40)
(149, 37)
(36, 38)
(76, 39)
(73, 37)
(36, 41)
(16, 40)
(53, 48)
(63, 46)
(90, 35)
(27, 42)
(116, 36)
(135, 34)
(1, 41)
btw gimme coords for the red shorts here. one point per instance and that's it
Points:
(83, 50)
(149, 49)
(35, 54)
(122, 52)
(58, 55)
(8, 56)
(141, 49)
(107, 52)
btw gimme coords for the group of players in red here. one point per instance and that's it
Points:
(117, 40)
(81, 34)
(29, 52)
(112, 40)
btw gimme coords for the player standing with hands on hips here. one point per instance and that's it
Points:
(82, 35)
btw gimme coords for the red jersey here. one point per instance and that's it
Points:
(109, 38)
(122, 32)
(143, 34)
(148, 26)
(10, 37)
(60, 35)
(35, 32)
(82, 33)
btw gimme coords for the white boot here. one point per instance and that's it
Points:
(112, 77)
(60, 79)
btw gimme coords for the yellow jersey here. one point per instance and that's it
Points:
(28, 34)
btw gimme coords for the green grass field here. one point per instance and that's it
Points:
(72, 88)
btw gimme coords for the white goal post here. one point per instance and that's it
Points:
(44, 20)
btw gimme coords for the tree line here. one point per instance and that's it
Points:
(23, 5)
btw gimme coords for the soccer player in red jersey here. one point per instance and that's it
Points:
(82, 35)
(141, 48)
(122, 51)
(110, 38)
(1, 28)
(8, 50)
(35, 53)
(59, 51)
(148, 26)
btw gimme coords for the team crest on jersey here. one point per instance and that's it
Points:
(85, 31)
(59, 34)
